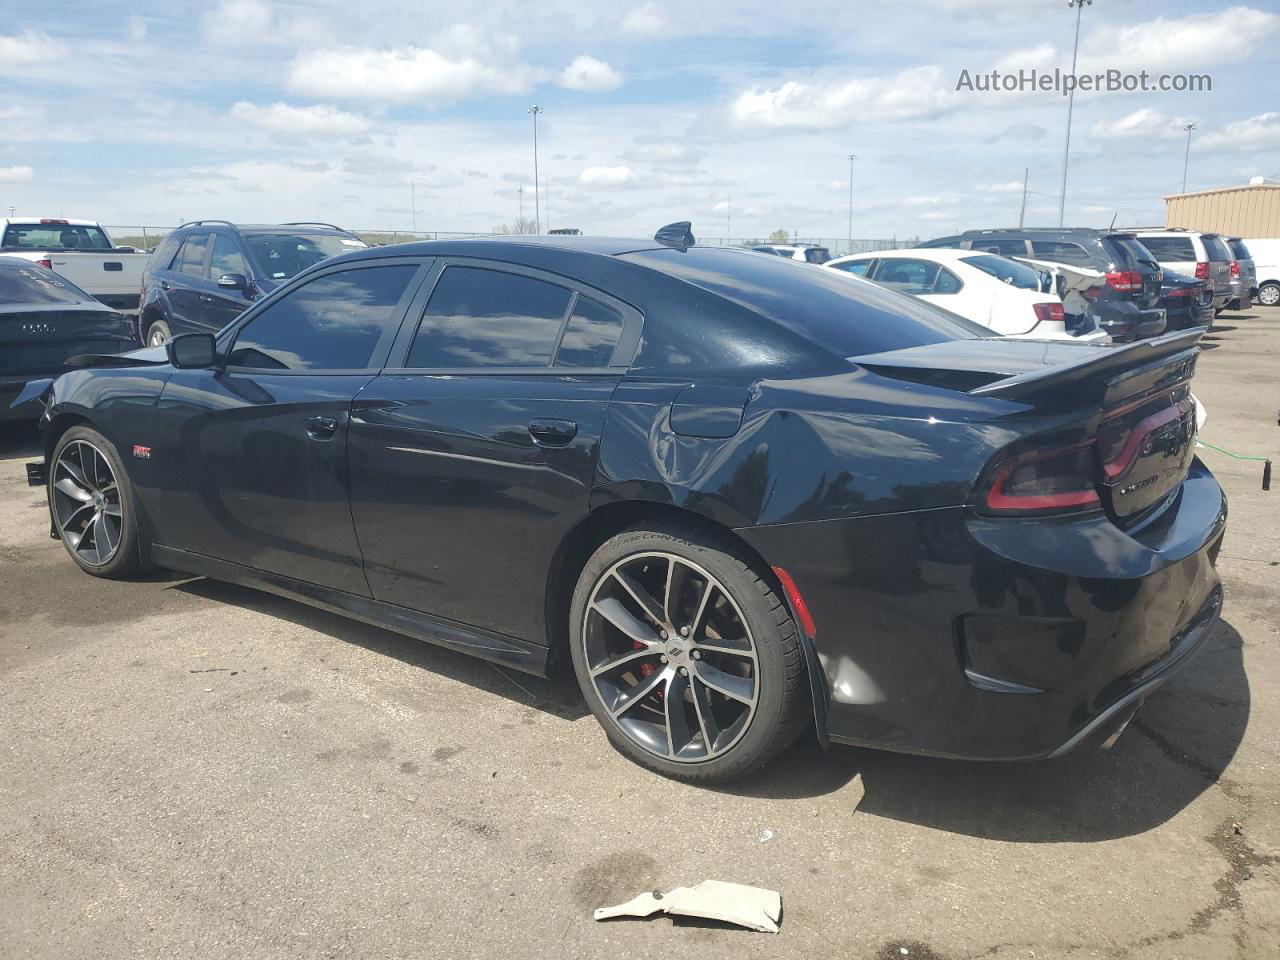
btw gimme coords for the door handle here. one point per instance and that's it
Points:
(321, 428)
(205, 298)
(553, 433)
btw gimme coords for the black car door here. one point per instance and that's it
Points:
(220, 305)
(261, 445)
(474, 455)
(184, 281)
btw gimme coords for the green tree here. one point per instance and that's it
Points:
(779, 236)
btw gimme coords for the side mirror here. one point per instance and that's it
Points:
(233, 281)
(193, 351)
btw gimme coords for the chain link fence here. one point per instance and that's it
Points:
(146, 237)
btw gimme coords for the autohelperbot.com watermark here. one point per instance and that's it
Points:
(1031, 80)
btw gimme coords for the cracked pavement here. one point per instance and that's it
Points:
(192, 768)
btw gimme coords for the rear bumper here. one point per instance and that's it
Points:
(948, 634)
(1125, 321)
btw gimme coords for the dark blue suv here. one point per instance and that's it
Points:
(205, 273)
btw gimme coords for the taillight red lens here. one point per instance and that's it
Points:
(1202, 270)
(1126, 281)
(46, 263)
(1049, 313)
(1235, 268)
(1120, 448)
(1183, 292)
(1060, 479)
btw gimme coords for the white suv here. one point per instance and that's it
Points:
(808, 252)
(1204, 256)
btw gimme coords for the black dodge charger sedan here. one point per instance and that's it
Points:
(738, 494)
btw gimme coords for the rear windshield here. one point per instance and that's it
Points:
(1169, 249)
(844, 314)
(1127, 251)
(1240, 250)
(282, 255)
(1217, 248)
(1006, 271)
(31, 283)
(817, 254)
(54, 236)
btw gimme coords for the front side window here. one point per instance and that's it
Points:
(590, 336)
(478, 317)
(227, 257)
(334, 322)
(907, 276)
(191, 257)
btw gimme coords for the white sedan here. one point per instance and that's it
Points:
(1007, 296)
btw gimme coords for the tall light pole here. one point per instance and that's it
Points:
(852, 157)
(1186, 157)
(1071, 102)
(537, 207)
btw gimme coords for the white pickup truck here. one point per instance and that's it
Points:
(79, 250)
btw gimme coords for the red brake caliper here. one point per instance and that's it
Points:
(646, 669)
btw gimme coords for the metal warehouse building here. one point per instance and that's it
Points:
(1252, 210)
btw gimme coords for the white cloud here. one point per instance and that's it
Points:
(1145, 124)
(320, 119)
(237, 23)
(15, 174)
(606, 177)
(922, 201)
(646, 20)
(411, 73)
(797, 105)
(589, 74)
(1008, 186)
(27, 47)
(1255, 133)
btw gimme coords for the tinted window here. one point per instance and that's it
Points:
(1240, 250)
(820, 305)
(1015, 246)
(817, 254)
(1059, 251)
(1169, 249)
(163, 253)
(590, 337)
(30, 283)
(54, 236)
(1127, 251)
(857, 267)
(330, 323)
(489, 318)
(191, 256)
(284, 255)
(947, 282)
(1006, 271)
(1217, 248)
(907, 276)
(226, 256)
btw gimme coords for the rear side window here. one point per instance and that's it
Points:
(590, 336)
(1008, 246)
(1061, 251)
(858, 268)
(191, 257)
(163, 253)
(907, 276)
(1006, 271)
(1169, 249)
(333, 322)
(478, 317)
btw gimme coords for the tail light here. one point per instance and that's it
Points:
(1050, 313)
(1202, 270)
(46, 263)
(1125, 281)
(1235, 268)
(1119, 446)
(1058, 479)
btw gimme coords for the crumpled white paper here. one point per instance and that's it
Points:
(750, 907)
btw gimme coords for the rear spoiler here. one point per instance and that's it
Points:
(33, 389)
(1130, 359)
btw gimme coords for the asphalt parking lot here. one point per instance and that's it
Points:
(190, 768)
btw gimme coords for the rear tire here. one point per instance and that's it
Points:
(93, 505)
(158, 334)
(1269, 294)
(727, 693)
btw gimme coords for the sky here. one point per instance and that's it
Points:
(739, 116)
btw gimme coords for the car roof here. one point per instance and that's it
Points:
(920, 253)
(47, 221)
(496, 247)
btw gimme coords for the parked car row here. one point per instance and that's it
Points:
(739, 497)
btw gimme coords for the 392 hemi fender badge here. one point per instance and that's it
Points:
(140, 452)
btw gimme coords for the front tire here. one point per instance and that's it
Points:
(158, 334)
(1269, 294)
(93, 505)
(686, 655)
